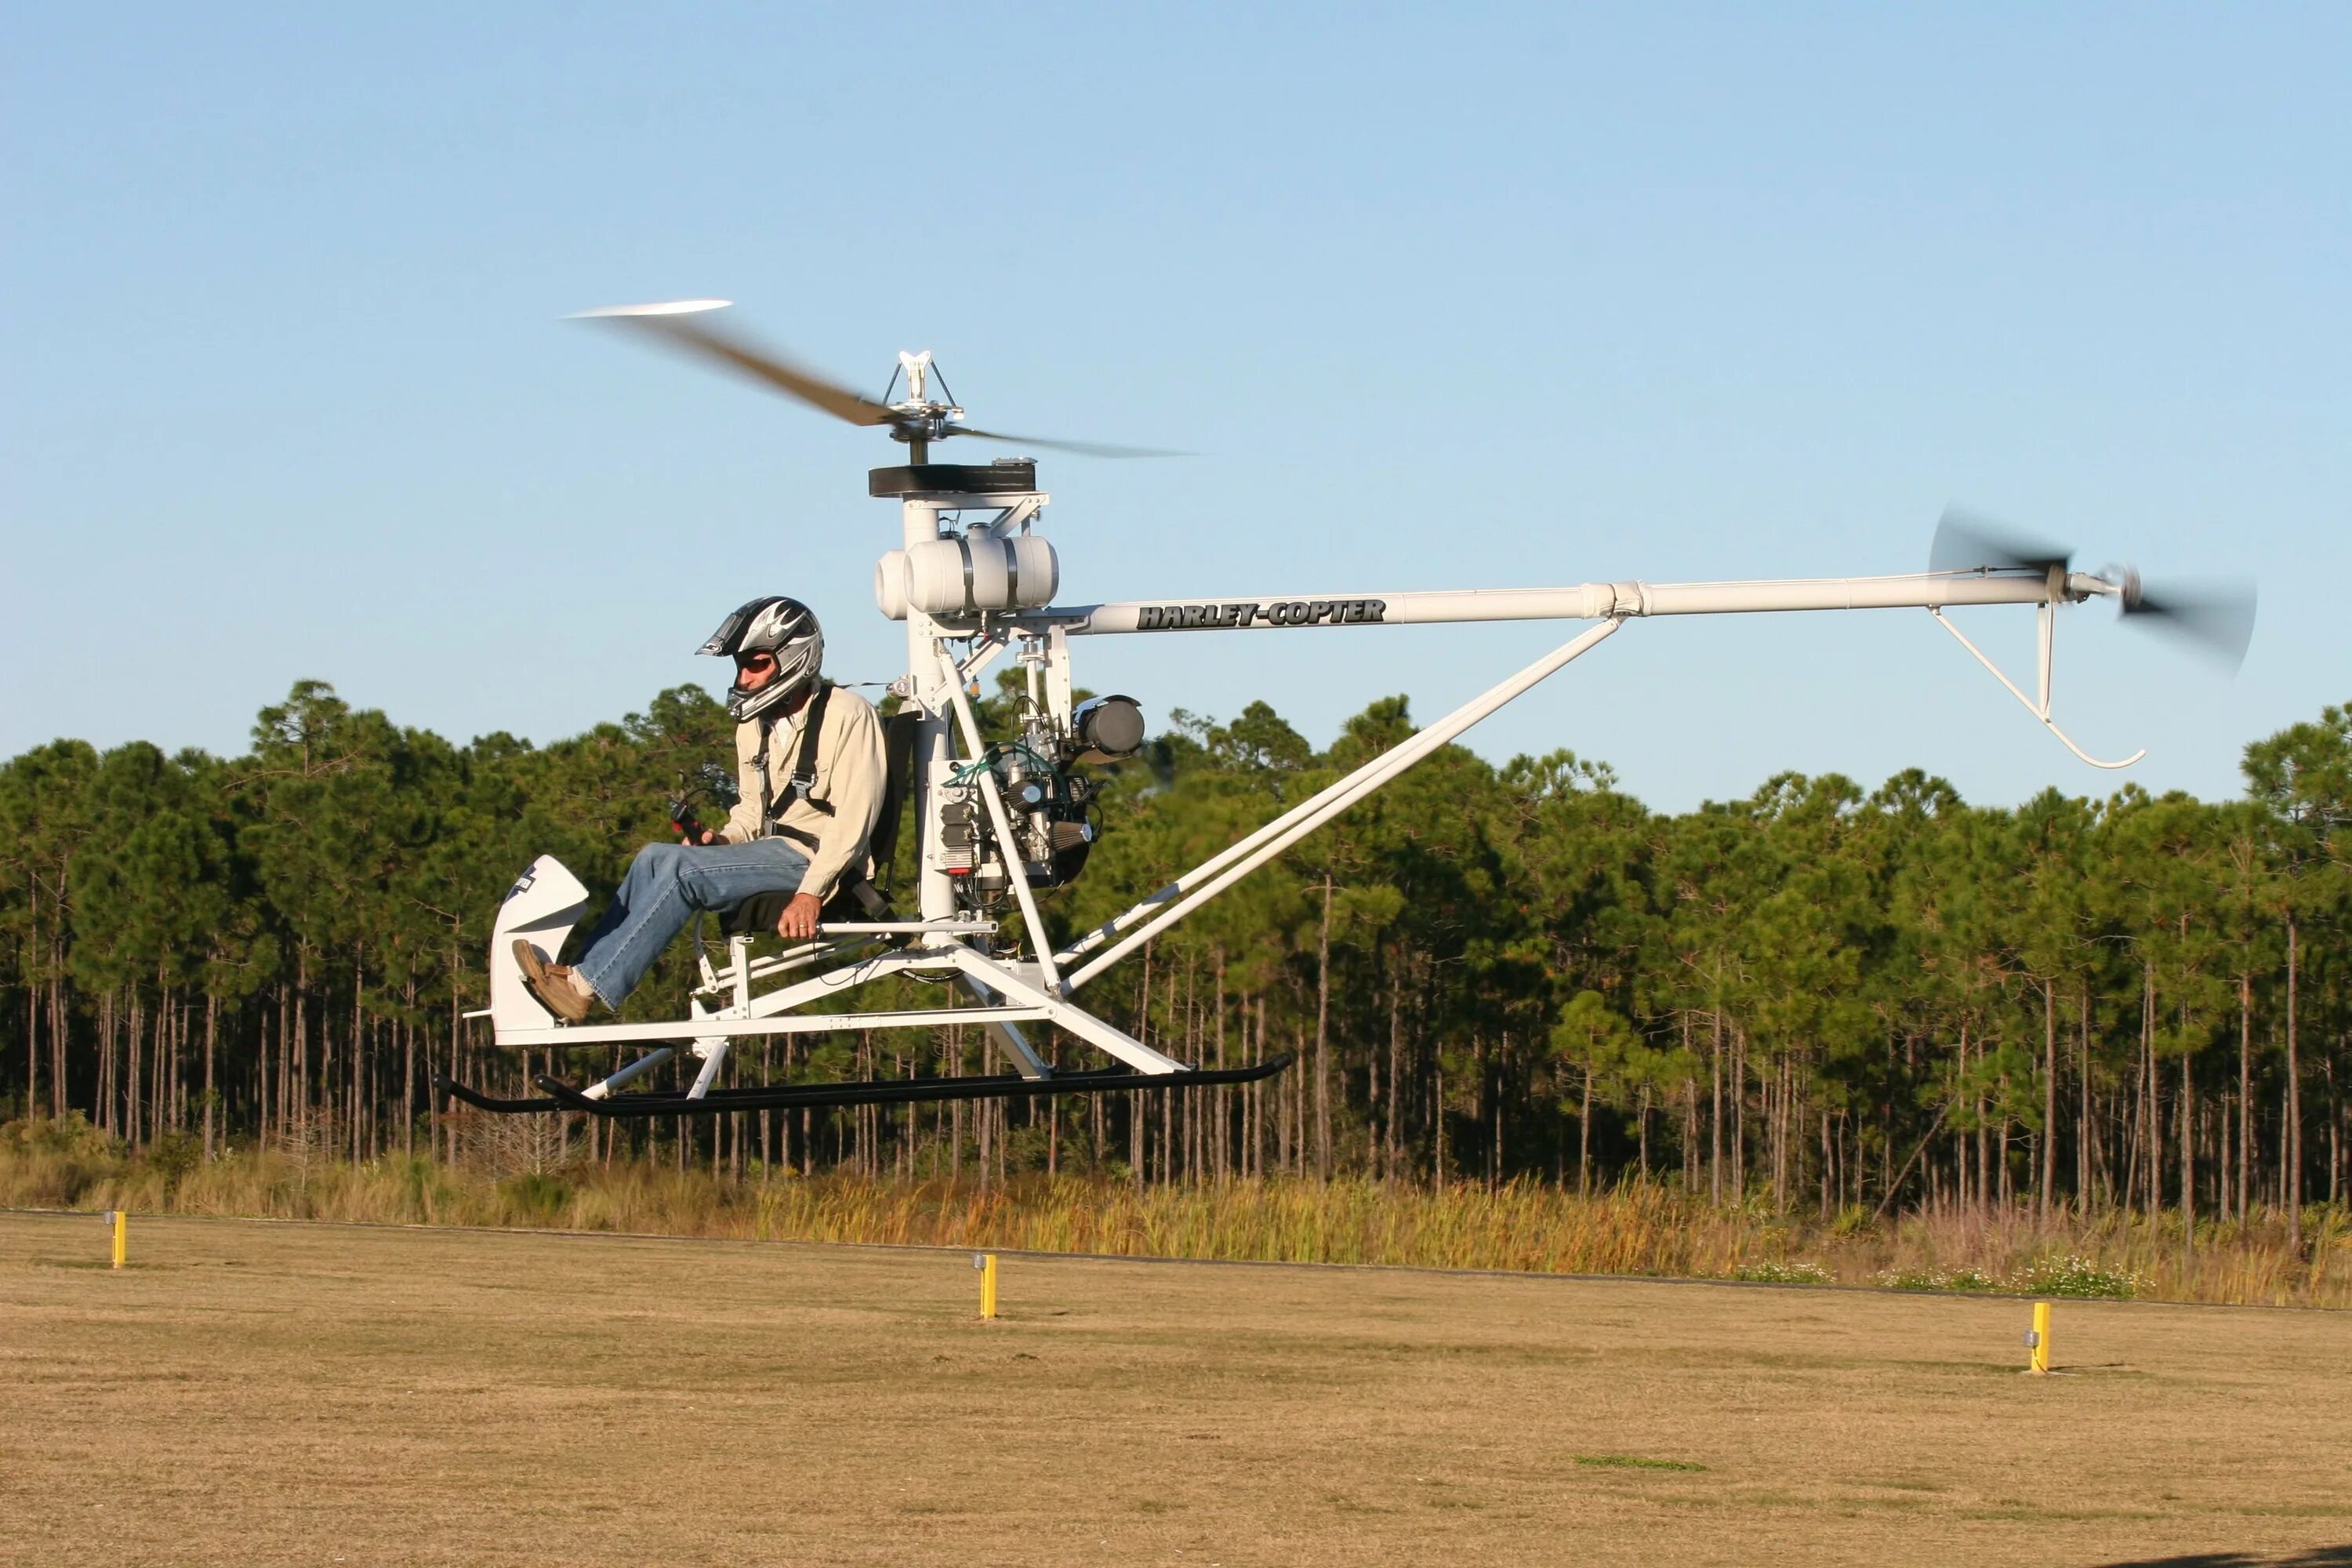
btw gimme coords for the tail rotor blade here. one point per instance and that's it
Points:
(1971, 542)
(2215, 616)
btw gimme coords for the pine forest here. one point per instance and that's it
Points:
(1824, 1000)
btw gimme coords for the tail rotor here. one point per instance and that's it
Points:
(2213, 616)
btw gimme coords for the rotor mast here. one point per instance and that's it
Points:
(922, 417)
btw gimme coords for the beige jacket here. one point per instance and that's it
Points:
(848, 779)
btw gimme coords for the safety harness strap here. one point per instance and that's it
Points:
(771, 807)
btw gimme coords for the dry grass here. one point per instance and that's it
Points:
(1644, 1230)
(280, 1393)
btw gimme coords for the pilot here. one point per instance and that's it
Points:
(810, 795)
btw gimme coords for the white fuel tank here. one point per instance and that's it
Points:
(891, 585)
(962, 576)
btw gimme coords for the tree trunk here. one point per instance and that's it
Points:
(2292, 1134)
(1783, 1133)
(1258, 1092)
(212, 1039)
(1584, 1139)
(2155, 1132)
(1395, 1140)
(301, 1041)
(1440, 1174)
(408, 1077)
(59, 1017)
(2245, 1087)
(2083, 1124)
(1322, 1036)
(2334, 1135)
(1222, 1102)
(32, 1003)
(133, 1106)
(2049, 1172)
(358, 1064)
(1739, 1079)
(1498, 1086)
(1641, 1154)
(1135, 1112)
(1829, 1164)
(2225, 1169)
(1714, 1119)
(2185, 1113)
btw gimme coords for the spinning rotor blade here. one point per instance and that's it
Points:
(2216, 616)
(1968, 542)
(673, 324)
(1084, 449)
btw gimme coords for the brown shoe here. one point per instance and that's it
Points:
(551, 984)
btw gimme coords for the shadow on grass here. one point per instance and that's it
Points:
(2316, 1557)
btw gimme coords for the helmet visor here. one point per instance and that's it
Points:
(731, 630)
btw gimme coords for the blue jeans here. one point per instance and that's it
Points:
(666, 885)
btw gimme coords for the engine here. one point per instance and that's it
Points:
(1050, 804)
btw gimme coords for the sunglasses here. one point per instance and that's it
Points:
(755, 661)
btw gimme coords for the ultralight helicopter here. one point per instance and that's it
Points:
(1000, 820)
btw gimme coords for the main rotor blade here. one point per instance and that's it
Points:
(2215, 617)
(1968, 542)
(677, 324)
(1084, 449)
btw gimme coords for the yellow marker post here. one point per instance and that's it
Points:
(122, 1236)
(986, 1263)
(2038, 1342)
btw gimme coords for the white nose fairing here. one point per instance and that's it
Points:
(542, 906)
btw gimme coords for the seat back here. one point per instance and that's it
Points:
(897, 784)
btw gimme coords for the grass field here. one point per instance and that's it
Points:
(273, 1392)
(520, 1177)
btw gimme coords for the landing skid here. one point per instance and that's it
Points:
(562, 1096)
(752, 998)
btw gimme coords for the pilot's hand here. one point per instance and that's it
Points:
(798, 922)
(709, 836)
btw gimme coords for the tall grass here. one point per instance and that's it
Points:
(1634, 1229)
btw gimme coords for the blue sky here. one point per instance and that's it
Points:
(1458, 296)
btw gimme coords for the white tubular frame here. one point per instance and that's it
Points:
(2046, 639)
(955, 947)
(1220, 871)
(1583, 602)
(718, 1027)
(1932, 590)
(994, 796)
